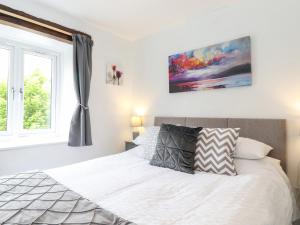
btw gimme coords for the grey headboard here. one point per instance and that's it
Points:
(269, 131)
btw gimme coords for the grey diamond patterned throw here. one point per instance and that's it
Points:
(34, 198)
(214, 150)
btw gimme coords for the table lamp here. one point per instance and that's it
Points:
(136, 123)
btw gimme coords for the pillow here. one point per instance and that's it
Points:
(247, 148)
(175, 148)
(148, 140)
(214, 151)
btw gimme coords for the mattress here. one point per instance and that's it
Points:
(129, 187)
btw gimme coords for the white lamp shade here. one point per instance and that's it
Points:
(136, 121)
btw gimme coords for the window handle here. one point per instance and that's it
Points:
(13, 91)
(21, 91)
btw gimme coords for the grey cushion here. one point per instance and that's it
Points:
(175, 148)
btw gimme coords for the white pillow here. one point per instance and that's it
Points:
(247, 148)
(148, 140)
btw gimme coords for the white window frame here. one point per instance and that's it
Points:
(16, 83)
(9, 83)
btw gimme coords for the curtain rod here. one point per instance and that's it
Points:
(22, 19)
(35, 22)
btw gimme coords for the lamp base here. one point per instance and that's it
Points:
(135, 134)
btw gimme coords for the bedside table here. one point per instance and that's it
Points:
(129, 145)
(297, 222)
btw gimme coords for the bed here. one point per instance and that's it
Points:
(126, 185)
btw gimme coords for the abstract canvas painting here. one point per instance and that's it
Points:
(217, 66)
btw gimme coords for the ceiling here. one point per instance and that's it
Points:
(134, 19)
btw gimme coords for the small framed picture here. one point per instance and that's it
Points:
(114, 75)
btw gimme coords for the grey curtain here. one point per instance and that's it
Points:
(80, 129)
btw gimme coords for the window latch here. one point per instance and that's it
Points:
(13, 91)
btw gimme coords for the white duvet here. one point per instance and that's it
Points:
(128, 186)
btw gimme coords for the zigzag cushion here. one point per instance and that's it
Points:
(214, 150)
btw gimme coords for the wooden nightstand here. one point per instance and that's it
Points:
(129, 145)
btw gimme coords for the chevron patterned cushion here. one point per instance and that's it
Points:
(214, 150)
(175, 148)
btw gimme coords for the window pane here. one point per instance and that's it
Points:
(4, 72)
(37, 92)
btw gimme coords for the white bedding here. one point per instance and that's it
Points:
(128, 186)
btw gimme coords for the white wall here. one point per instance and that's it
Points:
(275, 93)
(109, 105)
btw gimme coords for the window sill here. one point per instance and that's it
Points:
(27, 142)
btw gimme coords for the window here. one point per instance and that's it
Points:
(37, 96)
(4, 79)
(28, 89)
(38, 86)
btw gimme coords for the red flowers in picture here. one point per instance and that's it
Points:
(119, 75)
(114, 75)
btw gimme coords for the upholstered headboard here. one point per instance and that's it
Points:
(269, 131)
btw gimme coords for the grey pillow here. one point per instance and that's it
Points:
(175, 148)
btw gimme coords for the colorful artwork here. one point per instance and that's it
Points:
(218, 66)
(114, 75)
